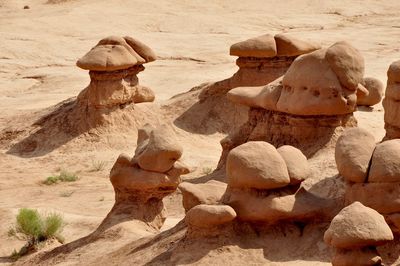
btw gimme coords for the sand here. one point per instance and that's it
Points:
(40, 46)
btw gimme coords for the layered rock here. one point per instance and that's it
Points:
(308, 107)
(355, 232)
(391, 102)
(139, 191)
(261, 60)
(372, 172)
(113, 66)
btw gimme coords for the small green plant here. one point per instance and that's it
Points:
(206, 170)
(97, 166)
(64, 176)
(35, 229)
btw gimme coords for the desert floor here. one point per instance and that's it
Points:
(40, 45)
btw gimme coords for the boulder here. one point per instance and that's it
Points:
(385, 166)
(348, 64)
(256, 164)
(262, 46)
(357, 226)
(143, 50)
(209, 193)
(393, 72)
(203, 216)
(161, 152)
(296, 163)
(353, 154)
(375, 90)
(290, 46)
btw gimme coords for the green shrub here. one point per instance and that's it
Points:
(64, 176)
(35, 229)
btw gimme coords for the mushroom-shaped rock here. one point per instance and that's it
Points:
(385, 166)
(114, 64)
(256, 164)
(348, 64)
(262, 46)
(375, 90)
(161, 151)
(391, 102)
(110, 54)
(290, 46)
(312, 87)
(127, 177)
(357, 226)
(209, 193)
(296, 163)
(353, 154)
(204, 216)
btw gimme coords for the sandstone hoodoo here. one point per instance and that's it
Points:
(308, 107)
(113, 66)
(261, 60)
(391, 102)
(371, 169)
(355, 232)
(263, 185)
(138, 191)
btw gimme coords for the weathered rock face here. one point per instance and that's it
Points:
(114, 64)
(261, 60)
(355, 232)
(372, 172)
(391, 102)
(308, 134)
(139, 192)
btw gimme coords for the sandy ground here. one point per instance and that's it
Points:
(40, 45)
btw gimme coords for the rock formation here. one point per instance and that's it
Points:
(261, 60)
(306, 108)
(139, 185)
(372, 172)
(113, 66)
(355, 233)
(391, 102)
(263, 185)
(108, 104)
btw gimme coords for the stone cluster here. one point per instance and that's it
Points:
(372, 171)
(355, 232)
